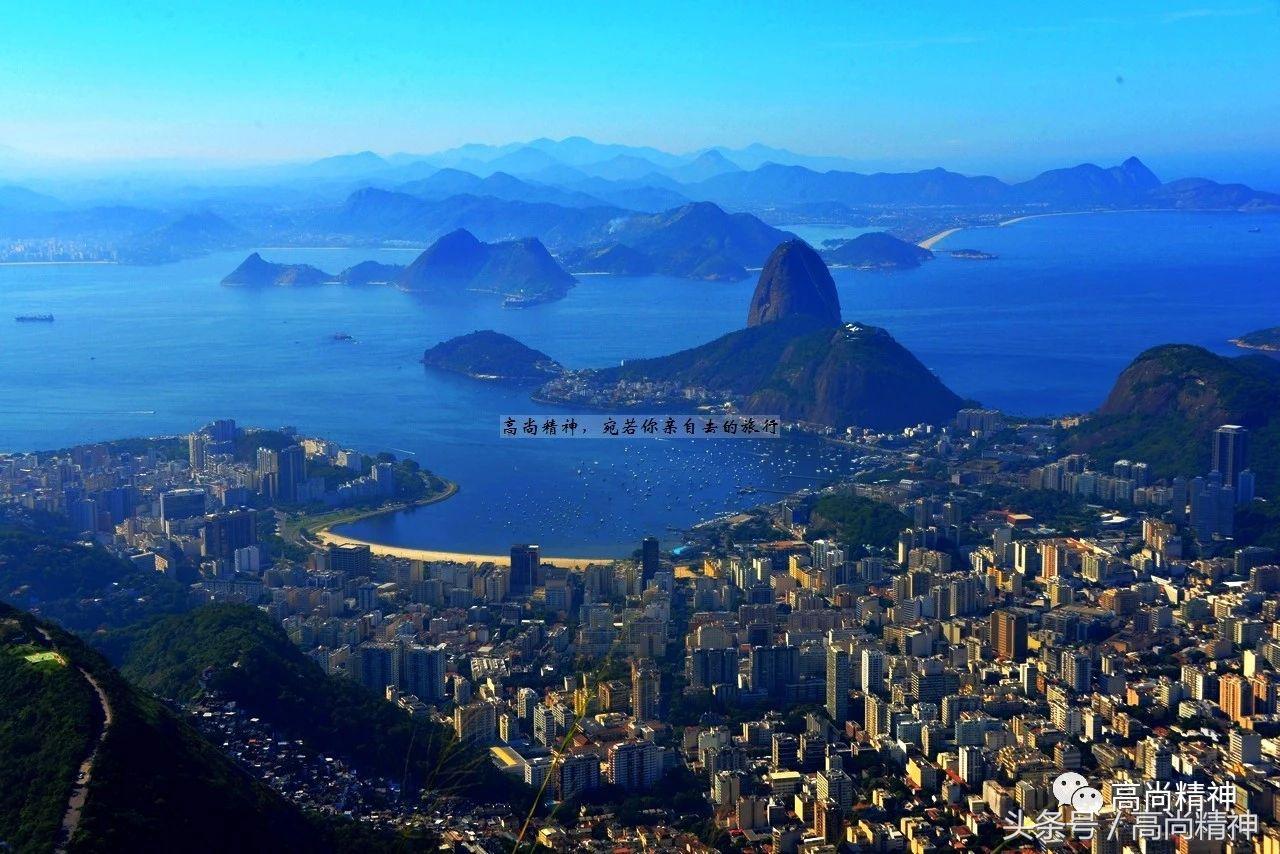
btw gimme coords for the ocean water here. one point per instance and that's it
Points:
(1043, 329)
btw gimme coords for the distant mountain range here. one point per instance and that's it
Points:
(576, 196)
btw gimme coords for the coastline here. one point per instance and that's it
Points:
(324, 535)
(52, 263)
(327, 537)
(932, 240)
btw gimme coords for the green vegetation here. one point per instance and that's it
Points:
(82, 586)
(253, 662)
(47, 719)
(1060, 510)
(856, 521)
(1165, 406)
(800, 369)
(492, 355)
(1262, 339)
(1259, 525)
(156, 783)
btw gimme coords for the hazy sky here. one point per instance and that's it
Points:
(979, 86)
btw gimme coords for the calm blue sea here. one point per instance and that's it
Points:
(1043, 329)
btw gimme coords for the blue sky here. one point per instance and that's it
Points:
(992, 87)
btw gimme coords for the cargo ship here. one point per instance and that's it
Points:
(34, 318)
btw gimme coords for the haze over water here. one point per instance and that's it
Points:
(153, 350)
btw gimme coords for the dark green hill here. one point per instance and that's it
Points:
(155, 784)
(1263, 339)
(856, 521)
(802, 369)
(1166, 404)
(47, 723)
(82, 586)
(877, 250)
(794, 360)
(253, 662)
(493, 356)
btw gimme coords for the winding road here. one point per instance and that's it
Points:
(80, 791)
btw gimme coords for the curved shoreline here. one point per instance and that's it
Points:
(324, 535)
(327, 537)
(933, 240)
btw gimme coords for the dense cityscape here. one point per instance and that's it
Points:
(500, 428)
(761, 686)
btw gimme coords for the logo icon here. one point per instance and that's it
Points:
(1066, 785)
(1073, 790)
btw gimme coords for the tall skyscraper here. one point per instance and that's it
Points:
(281, 472)
(524, 569)
(221, 536)
(1077, 670)
(195, 451)
(181, 504)
(423, 672)
(1230, 452)
(1009, 635)
(872, 671)
(839, 683)
(1235, 697)
(635, 764)
(646, 698)
(291, 473)
(648, 559)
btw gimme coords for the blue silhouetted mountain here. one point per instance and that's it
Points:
(697, 241)
(1127, 184)
(613, 258)
(794, 282)
(371, 273)
(706, 165)
(876, 249)
(1203, 194)
(384, 215)
(188, 236)
(256, 272)
(459, 262)
(499, 185)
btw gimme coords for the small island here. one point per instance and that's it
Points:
(973, 255)
(492, 356)
(875, 250)
(1267, 340)
(522, 271)
(255, 271)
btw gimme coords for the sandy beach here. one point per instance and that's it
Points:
(929, 242)
(456, 557)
